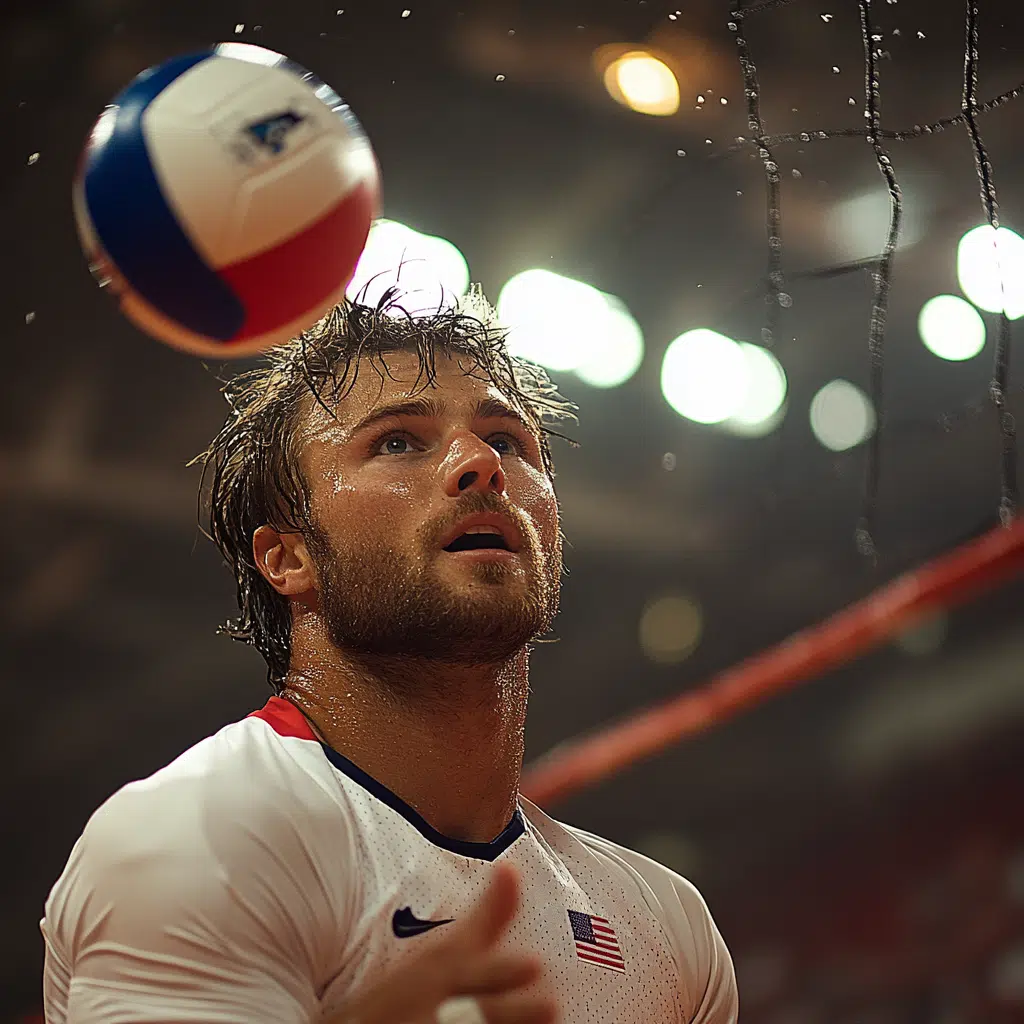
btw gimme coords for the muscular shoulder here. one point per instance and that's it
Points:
(237, 840)
(239, 784)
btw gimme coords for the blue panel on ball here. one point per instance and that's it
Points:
(137, 228)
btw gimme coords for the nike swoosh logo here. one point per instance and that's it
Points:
(405, 923)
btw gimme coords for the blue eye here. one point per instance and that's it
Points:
(388, 445)
(513, 445)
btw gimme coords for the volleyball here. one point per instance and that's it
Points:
(225, 198)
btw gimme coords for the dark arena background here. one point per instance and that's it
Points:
(850, 804)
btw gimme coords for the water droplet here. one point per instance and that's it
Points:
(707, 142)
(876, 36)
(739, 192)
(668, 461)
(785, 300)
(896, 32)
(920, 34)
(671, 17)
(342, 11)
(240, 27)
(835, 70)
(511, 31)
(766, 335)
(29, 317)
(821, 135)
(772, 167)
(499, 78)
(33, 158)
(732, 26)
(680, 152)
(796, 173)
(723, 101)
(852, 102)
(256, 28)
(827, 18)
(406, 13)
(805, 137)
(700, 99)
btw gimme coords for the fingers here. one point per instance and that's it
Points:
(501, 972)
(493, 913)
(518, 1008)
(463, 961)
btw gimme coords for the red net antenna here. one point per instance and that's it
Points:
(944, 583)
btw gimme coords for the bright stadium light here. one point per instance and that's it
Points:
(990, 279)
(704, 376)
(616, 351)
(429, 271)
(763, 397)
(566, 325)
(951, 328)
(842, 416)
(643, 83)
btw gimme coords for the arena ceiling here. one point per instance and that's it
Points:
(112, 666)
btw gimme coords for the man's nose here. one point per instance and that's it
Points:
(472, 465)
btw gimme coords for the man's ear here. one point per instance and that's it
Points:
(284, 561)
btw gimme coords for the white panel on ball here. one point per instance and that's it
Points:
(266, 211)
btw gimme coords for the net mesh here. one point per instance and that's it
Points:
(881, 265)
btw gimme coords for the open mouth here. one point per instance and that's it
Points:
(474, 540)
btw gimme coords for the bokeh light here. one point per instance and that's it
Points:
(990, 266)
(566, 325)
(430, 272)
(842, 416)
(643, 83)
(763, 396)
(856, 227)
(704, 376)
(670, 628)
(951, 328)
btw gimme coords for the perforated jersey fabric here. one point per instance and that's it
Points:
(262, 876)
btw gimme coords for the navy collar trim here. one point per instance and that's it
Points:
(479, 851)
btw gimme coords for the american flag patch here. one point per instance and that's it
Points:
(596, 942)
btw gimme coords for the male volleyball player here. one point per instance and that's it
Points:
(357, 850)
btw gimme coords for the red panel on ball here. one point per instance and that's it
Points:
(277, 286)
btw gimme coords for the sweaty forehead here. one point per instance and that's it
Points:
(394, 377)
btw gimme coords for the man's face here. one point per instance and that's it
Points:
(388, 493)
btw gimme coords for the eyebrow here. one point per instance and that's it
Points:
(486, 408)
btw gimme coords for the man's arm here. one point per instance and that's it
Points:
(180, 905)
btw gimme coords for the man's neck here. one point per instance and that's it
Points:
(447, 739)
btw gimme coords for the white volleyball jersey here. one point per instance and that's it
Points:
(263, 877)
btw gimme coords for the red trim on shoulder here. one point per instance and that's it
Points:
(285, 719)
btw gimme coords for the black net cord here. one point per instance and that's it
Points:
(882, 265)
(773, 179)
(882, 279)
(990, 204)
